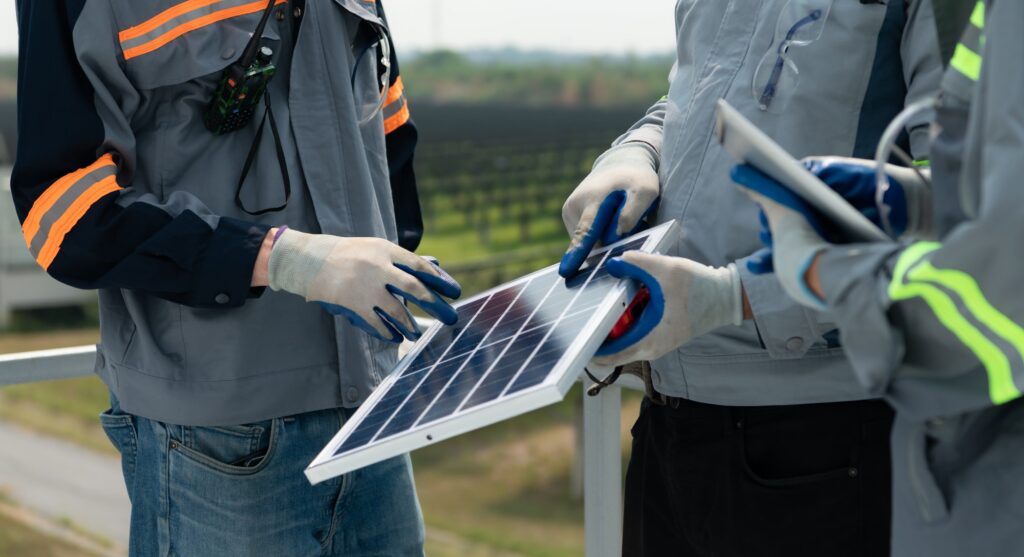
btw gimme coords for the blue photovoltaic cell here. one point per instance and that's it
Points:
(503, 344)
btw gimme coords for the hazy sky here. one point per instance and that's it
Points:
(640, 26)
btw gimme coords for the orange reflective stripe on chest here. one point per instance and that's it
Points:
(180, 10)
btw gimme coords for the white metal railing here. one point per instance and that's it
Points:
(602, 459)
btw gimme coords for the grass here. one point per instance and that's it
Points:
(17, 539)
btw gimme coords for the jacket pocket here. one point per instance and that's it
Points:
(232, 450)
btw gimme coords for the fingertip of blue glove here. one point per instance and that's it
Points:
(572, 261)
(437, 307)
(602, 229)
(397, 328)
(360, 323)
(444, 284)
(761, 262)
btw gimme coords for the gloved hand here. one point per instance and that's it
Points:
(906, 205)
(361, 279)
(794, 234)
(610, 203)
(687, 300)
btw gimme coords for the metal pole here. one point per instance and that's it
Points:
(47, 365)
(602, 472)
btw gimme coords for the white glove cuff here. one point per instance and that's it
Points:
(737, 294)
(631, 153)
(296, 259)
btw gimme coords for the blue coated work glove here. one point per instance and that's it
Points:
(363, 280)
(687, 299)
(792, 231)
(905, 207)
(611, 203)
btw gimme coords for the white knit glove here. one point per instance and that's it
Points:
(687, 300)
(610, 203)
(362, 280)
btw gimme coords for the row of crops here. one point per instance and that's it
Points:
(493, 179)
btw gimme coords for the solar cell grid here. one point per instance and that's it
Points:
(508, 342)
(466, 373)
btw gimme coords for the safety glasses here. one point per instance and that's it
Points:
(800, 23)
(382, 67)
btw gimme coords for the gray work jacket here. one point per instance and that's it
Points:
(938, 327)
(869, 60)
(183, 338)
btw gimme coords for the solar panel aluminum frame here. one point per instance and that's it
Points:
(553, 389)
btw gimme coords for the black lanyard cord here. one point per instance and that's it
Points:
(282, 163)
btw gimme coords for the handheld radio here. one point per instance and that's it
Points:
(242, 85)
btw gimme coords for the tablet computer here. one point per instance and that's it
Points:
(749, 145)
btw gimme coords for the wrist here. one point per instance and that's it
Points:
(812, 277)
(260, 275)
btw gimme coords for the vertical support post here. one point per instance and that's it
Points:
(602, 472)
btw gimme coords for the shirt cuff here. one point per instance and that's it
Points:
(787, 329)
(224, 277)
(653, 136)
(855, 279)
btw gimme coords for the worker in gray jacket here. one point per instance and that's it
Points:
(936, 326)
(181, 156)
(755, 438)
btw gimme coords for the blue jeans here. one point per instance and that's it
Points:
(240, 490)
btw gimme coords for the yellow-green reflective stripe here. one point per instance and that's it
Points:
(997, 367)
(922, 162)
(1001, 386)
(967, 62)
(978, 15)
(945, 310)
(908, 258)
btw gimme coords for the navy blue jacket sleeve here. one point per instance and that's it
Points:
(81, 222)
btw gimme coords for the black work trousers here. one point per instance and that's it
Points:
(788, 481)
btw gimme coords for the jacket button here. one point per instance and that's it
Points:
(352, 394)
(222, 298)
(853, 472)
(228, 54)
(297, 12)
(794, 344)
(279, 15)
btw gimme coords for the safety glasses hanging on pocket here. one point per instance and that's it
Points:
(369, 108)
(800, 23)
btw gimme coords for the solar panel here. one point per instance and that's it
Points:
(516, 348)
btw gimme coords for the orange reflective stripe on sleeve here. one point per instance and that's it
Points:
(63, 204)
(46, 201)
(398, 119)
(69, 219)
(396, 108)
(395, 92)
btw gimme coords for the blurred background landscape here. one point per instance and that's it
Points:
(506, 134)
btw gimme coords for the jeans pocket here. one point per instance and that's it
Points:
(120, 429)
(235, 450)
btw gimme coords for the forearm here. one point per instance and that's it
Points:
(260, 277)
